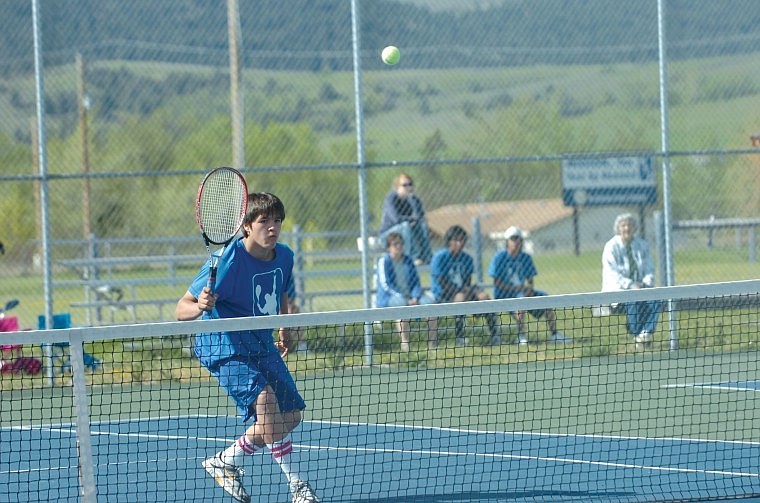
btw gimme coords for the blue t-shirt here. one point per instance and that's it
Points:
(290, 289)
(511, 270)
(457, 269)
(245, 287)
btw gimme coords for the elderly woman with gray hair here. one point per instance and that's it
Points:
(627, 264)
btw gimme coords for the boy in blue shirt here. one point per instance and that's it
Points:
(451, 273)
(253, 274)
(513, 271)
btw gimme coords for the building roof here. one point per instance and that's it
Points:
(529, 215)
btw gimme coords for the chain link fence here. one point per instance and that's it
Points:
(487, 101)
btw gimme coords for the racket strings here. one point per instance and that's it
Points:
(221, 205)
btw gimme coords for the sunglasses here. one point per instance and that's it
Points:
(407, 184)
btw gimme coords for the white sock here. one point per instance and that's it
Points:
(286, 457)
(235, 453)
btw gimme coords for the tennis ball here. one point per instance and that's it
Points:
(391, 55)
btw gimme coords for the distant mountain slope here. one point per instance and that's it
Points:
(487, 33)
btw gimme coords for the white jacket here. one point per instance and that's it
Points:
(615, 267)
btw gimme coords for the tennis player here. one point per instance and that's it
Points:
(251, 281)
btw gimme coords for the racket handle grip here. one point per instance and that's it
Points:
(211, 283)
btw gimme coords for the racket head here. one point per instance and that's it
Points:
(221, 205)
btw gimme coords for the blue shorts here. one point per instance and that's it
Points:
(244, 378)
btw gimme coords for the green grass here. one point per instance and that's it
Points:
(558, 274)
(152, 360)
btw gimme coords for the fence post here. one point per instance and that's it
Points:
(298, 262)
(659, 242)
(93, 273)
(477, 241)
(752, 243)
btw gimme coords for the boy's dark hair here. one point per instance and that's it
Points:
(263, 203)
(391, 237)
(453, 232)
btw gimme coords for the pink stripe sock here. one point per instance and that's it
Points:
(246, 445)
(241, 448)
(280, 450)
(286, 457)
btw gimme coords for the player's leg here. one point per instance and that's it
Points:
(432, 323)
(522, 332)
(283, 405)
(655, 306)
(477, 293)
(420, 249)
(243, 383)
(551, 323)
(636, 314)
(650, 313)
(459, 321)
(402, 327)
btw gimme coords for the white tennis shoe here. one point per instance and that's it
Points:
(228, 477)
(558, 337)
(302, 492)
(643, 338)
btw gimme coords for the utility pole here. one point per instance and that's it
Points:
(236, 98)
(83, 106)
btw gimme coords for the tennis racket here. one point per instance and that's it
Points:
(219, 209)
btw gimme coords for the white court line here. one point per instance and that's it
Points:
(544, 434)
(118, 463)
(69, 428)
(716, 385)
(607, 464)
(552, 459)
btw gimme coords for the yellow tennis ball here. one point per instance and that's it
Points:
(391, 55)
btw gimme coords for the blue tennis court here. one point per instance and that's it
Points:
(588, 422)
(158, 459)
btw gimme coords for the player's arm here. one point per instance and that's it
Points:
(447, 286)
(190, 308)
(527, 287)
(647, 268)
(503, 285)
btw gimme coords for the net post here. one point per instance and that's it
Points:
(84, 439)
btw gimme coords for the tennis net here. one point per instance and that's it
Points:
(588, 414)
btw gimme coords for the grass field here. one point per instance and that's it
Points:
(593, 337)
(558, 274)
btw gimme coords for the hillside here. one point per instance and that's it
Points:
(511, 33)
